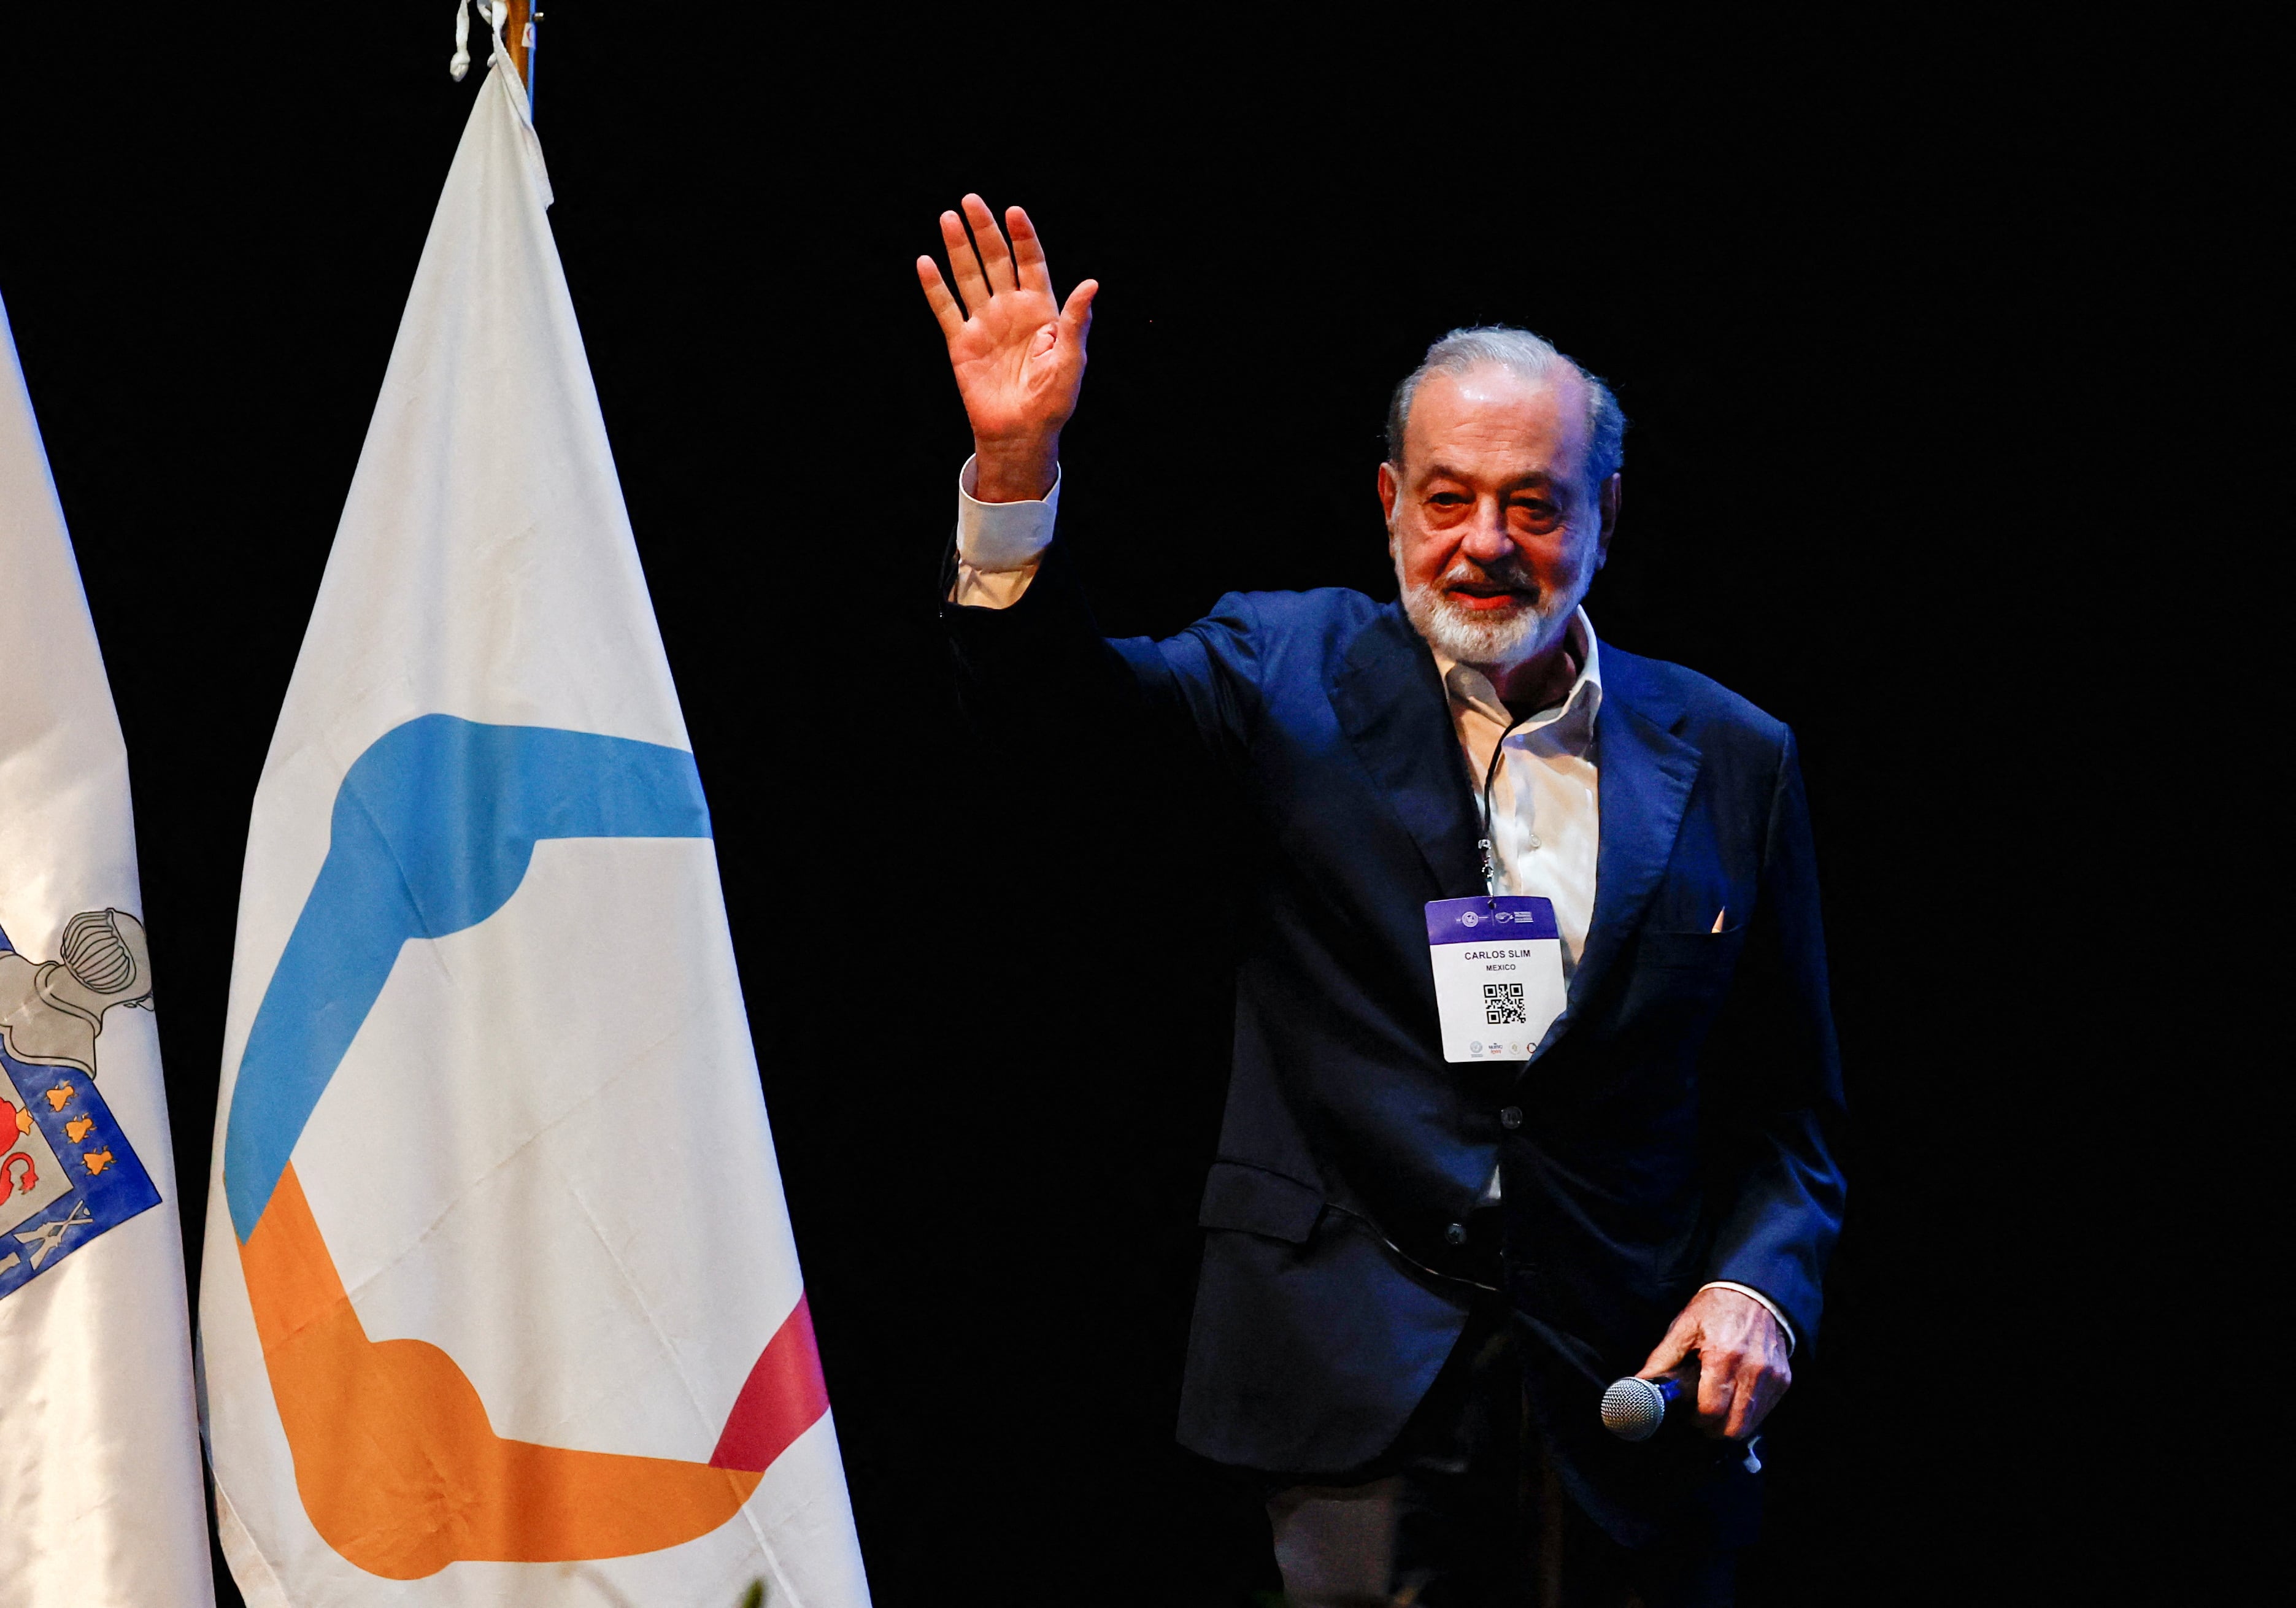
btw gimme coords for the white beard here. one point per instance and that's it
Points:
(1474, 636)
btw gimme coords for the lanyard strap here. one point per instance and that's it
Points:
(1490, 777)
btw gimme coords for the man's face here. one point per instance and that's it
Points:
(1495, 533)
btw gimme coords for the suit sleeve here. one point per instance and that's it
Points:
(1040, 674)
(1781, 1186)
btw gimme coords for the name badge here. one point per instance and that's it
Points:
(1498, 974)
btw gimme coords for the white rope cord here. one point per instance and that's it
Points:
(496, 13)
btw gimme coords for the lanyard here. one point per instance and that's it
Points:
(1490, 778)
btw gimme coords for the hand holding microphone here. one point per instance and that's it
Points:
(1737, 1371)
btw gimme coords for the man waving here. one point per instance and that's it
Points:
(1428, 1250)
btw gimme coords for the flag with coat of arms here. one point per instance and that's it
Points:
(100, 1494)
(501, 1305)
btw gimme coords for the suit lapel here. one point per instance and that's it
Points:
(1392, 707)
(1647, 774)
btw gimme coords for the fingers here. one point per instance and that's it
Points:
(1028, 253)
(1077, 314)
(1759, 1386)
(991, 243)
(1075, 317)
(1681, 1337)
(1746, 1408)
(1736, 1390)
(944, 310)
(964, 265)
(1751, 1399)
(1718, 1387)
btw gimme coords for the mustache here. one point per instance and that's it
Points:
(1513, 576)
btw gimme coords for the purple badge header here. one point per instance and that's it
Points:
(1483, 920)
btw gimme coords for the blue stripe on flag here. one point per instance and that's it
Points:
(433, 828)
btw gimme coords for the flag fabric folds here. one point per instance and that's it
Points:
(500, 1296)
(100, 1492)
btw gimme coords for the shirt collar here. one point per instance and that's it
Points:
(1469, 687)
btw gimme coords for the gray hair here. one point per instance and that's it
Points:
(1533, 358)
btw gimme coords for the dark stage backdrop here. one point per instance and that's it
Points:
(207, 239)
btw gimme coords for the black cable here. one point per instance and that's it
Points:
(1490, 779)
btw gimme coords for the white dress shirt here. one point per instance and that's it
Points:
(1546, 823)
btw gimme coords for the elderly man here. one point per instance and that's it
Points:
(1426, 1255)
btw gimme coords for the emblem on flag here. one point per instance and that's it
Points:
(69, 1173)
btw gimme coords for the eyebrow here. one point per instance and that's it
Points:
(1535, 477)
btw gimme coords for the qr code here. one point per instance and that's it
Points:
(1503, 1004)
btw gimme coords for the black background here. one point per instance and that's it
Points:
(1814, 269)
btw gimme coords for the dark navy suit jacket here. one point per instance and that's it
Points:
(1678, 1121)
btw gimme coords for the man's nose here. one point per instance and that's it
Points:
(1486, 540)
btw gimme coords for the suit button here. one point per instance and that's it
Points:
(1511, 1118)
(1457, 1234)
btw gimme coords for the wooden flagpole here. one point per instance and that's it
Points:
(517, 36)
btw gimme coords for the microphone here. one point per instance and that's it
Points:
(1633, 1408)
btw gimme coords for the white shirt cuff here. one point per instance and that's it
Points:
(1760, 1300)
(996, 537)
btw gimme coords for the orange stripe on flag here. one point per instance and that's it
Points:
(396, 1461)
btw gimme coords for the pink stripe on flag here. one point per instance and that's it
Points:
(783, 1398)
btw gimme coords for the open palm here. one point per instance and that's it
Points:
(1017, 353)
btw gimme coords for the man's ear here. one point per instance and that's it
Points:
(1612, 493)
(1389, 487)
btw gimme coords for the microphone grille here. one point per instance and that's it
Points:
(1633, 1409)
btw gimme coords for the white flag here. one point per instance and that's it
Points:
(501, 1305)
(100, 1497)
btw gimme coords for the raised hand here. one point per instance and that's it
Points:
(1018, 354)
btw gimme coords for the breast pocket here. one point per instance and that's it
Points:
(1677, 971)
(1690, 951)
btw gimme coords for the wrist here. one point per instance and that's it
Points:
(1015, 471)
(1749, 1293)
